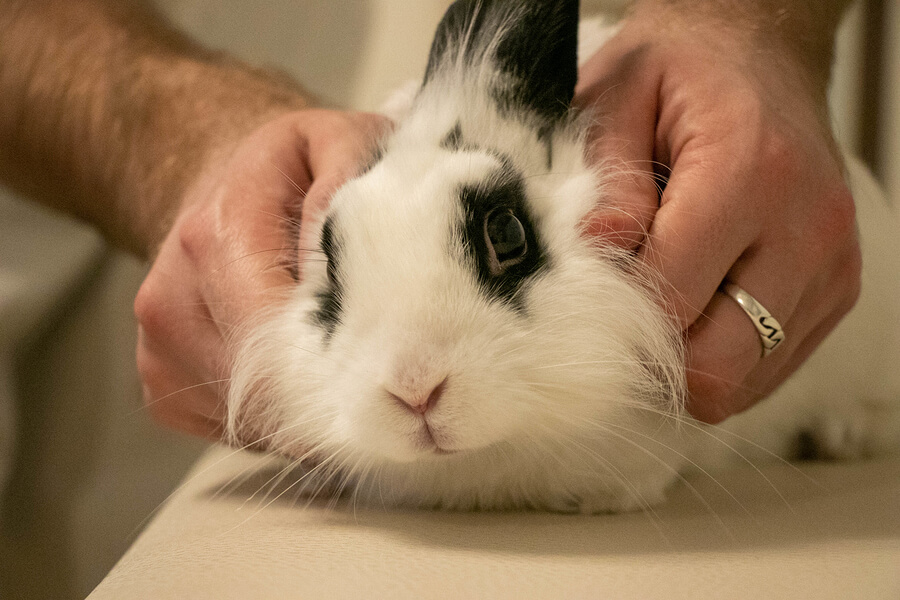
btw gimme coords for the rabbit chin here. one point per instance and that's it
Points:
(587, 474)
(462, 422)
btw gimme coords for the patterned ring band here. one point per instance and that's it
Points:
(770, 332)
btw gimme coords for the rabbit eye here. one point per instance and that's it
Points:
(506, 240)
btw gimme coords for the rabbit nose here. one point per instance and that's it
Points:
(420, 402)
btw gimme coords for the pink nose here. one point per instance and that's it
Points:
(421, 403)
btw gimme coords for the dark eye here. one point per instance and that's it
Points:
(505, 237)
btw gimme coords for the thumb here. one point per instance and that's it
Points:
(337, 145)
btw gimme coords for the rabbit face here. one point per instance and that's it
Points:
(456, 338)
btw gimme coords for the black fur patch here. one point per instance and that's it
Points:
(329, 313)
(503, 191)
(545, 136)
(453, 139)
(538, 52)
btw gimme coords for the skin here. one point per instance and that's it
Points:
(726, 99)
(206, 166)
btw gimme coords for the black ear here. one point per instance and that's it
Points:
(534, 43)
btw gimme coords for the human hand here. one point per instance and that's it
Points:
(230, 254)
(756, 193)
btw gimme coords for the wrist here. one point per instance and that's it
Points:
(797, 34)
(108, 113)
(197, 111)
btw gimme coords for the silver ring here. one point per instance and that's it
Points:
(770, 332)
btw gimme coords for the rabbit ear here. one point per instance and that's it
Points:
(532, 45)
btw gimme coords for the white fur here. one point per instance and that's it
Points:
(574, 404)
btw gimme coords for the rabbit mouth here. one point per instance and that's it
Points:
(431, 441)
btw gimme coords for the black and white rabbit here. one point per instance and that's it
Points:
(465, 346)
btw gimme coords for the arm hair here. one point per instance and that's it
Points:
(108, 113)
(805, 28)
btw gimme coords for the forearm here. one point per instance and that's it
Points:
(108, 113)
(806, 28)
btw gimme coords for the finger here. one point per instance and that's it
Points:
(337, 153)
(723, 348)
(767, 375)
(622, 96)
(181, 365)
(805, 349)
(169, 308)
(825, 302)
(240, 244)
(339, 144)
(725, 345)
(175, 399)
(301, 163)
(726, 370)
(179, 347)
(698, 233)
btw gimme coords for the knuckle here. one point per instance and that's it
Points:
(143, 302)
(781, 158)
(832, 236)
(149, 307)
(839, 214)
(193, 235)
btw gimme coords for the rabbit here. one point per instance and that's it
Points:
(456, 342)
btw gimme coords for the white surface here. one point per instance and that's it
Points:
(815, 531)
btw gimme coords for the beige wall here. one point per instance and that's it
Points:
(890, 96)
(90, 465)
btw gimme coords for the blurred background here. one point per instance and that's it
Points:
(89, 468)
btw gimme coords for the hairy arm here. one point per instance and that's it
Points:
(108, 113)
(806, 28)
(178, 153)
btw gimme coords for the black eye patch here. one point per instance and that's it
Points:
(499, 236)
(329, 312)
(505, 239)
